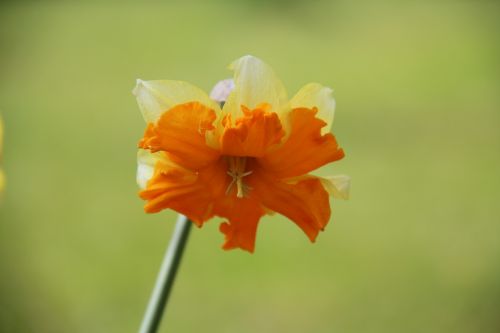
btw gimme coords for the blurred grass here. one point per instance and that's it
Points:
(416, 249)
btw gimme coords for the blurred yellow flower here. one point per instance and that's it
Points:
(2, 176)
(249, 158)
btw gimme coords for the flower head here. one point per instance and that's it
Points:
(249, 158)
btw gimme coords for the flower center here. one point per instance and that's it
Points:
(236, 169)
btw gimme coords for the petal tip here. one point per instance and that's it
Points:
(138, 84)
(338, 186)
(246, 57)
(231, 241)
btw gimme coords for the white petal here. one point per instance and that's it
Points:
(316, 95)
(146, 162)
(255, 83)
(221, 90)
(337, 186)
(156, 97)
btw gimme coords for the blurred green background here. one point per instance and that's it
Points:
(416, 249)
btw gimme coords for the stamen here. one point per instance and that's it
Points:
(237, 172)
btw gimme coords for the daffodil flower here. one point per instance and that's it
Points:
(250, 158)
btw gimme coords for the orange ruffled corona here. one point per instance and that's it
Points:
(249, 158)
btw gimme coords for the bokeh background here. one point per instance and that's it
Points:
(416, 249)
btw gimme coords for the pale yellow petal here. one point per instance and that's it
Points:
(337, 186)
(156, 97)
(316, 95)
(146, 162)
(255, 83)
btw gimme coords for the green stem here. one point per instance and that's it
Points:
(166, 277)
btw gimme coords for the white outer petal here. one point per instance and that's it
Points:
(337, 186)
(255, 83)
(316, 95)
(156, 97)
(146, 162)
